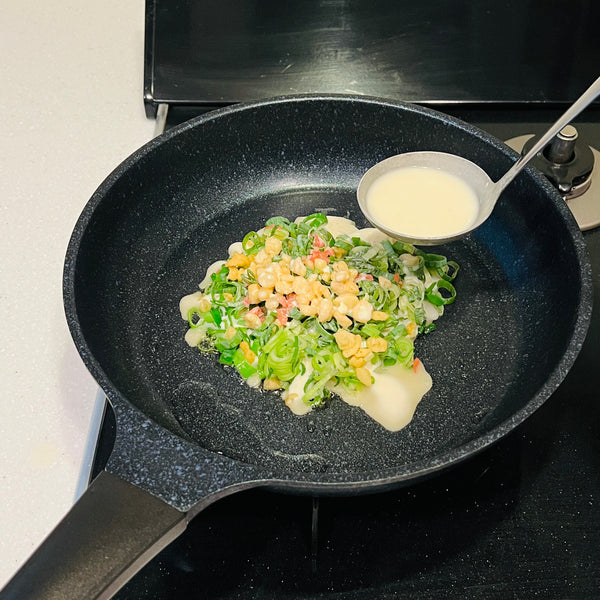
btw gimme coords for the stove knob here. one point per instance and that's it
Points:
(561, 148)
(566, 161)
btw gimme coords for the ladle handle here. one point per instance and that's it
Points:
(578, 106)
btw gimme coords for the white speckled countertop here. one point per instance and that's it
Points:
(71, 109)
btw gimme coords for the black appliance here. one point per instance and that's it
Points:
(522, 519)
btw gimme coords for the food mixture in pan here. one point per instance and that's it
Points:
(317, 306)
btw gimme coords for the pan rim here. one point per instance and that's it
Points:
(339, 482)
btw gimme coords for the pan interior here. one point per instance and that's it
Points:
(158, 228)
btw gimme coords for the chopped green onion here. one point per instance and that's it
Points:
(252, 243)
(433, 261)
(434, 293)
(394, 277)
(195, 317)
(448, 271)
(370, 330)
(242, 365)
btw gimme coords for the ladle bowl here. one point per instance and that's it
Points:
(486, 191)
(466, 170)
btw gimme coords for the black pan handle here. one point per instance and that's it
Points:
(111, 532)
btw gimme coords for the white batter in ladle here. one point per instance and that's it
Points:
(431, 198)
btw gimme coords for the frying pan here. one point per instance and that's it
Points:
(188, 430)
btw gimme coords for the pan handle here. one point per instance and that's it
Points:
(111, 532)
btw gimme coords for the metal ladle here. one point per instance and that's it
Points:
(486, 191)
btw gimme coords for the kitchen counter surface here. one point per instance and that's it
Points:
(72, 110)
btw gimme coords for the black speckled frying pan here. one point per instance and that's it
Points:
(188, 431)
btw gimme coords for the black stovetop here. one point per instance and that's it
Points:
(520, 520)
